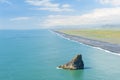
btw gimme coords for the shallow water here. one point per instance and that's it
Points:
(35, 54)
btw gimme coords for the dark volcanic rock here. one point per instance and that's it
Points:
(74, 64)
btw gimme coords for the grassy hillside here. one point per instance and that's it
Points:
(112, 36)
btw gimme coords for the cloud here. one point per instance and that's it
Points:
(111, 2)
(49, 6)
(20, 18)
(5, 2)
(96, 17)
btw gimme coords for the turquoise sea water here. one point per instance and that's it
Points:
(35, 54)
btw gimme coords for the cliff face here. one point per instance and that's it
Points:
(74, 64)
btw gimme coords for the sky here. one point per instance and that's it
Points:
(42, 14)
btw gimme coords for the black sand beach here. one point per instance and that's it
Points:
(95, 43)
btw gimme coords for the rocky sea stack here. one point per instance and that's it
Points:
(74, 64)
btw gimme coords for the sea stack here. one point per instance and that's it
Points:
(75, 64)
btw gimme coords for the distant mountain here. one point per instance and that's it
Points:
(111, 26)
(98, 26)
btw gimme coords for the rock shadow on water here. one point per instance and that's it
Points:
(77, 74)
(74, 74)
(87, 67)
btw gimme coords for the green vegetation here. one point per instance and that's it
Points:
(112, 36)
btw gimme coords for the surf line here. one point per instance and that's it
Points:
(85, 44)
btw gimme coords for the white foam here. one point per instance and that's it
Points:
(58, 68)
(86, 44)
(104, 50)
(61, 36)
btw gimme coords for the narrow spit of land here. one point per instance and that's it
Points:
(105, 39)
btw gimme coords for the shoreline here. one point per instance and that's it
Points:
(108, 47)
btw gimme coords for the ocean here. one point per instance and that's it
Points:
(35, 55)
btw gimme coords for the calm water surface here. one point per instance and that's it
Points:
(35, 54)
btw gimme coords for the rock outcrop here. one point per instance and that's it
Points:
(74, 64)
